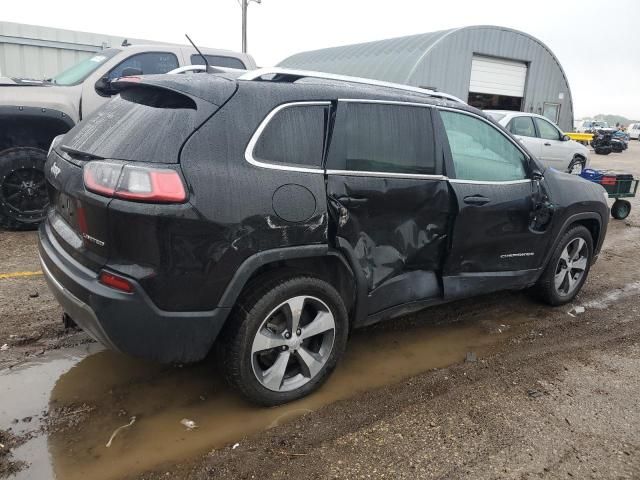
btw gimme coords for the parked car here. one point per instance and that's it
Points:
(588, 126)
(33, 112)
(634, 131)
(544, 140)
(267, 214)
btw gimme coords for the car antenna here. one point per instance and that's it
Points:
(206, 62)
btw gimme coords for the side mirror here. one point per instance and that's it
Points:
(566, 138)
(537, 175)
(131, 72)
(103, 87)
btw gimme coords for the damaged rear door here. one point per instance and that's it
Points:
(389, 199)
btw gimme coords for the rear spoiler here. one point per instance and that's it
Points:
(210, 88)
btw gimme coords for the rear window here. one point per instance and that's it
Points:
(218, 61)
(294, 136)
(141, 124)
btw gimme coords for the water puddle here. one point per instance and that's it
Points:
(115, 387)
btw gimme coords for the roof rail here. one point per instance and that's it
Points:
(298, 74)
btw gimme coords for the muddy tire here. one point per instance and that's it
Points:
(568, 267)
(23, 192)
(283, 340)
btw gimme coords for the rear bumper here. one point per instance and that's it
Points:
(128, 322)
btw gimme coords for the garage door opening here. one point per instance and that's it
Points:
(497, 83)
(494, 102)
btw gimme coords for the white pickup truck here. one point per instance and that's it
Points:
(33, 112)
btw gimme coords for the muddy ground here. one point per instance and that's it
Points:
(550, 395)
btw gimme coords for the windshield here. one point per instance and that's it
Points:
(81, 70)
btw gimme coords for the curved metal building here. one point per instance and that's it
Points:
(491, 67)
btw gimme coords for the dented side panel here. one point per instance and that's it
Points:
(395, 226)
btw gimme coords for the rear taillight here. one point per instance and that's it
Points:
(132, 182)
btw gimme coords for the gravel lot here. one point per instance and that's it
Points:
(551, 395)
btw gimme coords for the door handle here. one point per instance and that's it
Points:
(477, 200)
(547, 144)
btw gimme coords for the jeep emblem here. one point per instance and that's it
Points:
(55, 170)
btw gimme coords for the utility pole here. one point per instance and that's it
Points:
(245, 4)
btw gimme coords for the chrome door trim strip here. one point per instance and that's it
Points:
(489, 182)
(356, 173)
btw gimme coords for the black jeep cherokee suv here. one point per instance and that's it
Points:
(269, 214)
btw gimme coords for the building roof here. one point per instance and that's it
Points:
(391, 60)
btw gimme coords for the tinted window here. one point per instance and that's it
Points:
(150, 63)
(480, 151)
(218, 61)
(294, 136)
(387, 138)
(546, 130)
(522, 126)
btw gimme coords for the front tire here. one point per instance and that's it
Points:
(576, 166)
(282, 341)
(23, 192)
(568, 267)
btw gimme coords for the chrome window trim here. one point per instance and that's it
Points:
(491, 182)
(248, 153)
(366, 173)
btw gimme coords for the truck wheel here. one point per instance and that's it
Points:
(282, 341)
(620, 209)
(568, 267)
(23, 192)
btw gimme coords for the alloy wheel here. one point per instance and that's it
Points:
(293, 343)
(576, 167)
(24, 191)
(571, 266)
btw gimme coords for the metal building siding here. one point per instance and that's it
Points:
(443, 60)
(39, 52)
(391, 60)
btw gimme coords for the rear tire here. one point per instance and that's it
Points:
(266, 356)
(568, 267)
(23, 191)
(620, 209)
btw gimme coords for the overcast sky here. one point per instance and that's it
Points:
(597, 42)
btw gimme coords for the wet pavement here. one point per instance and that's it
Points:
(112, 388)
